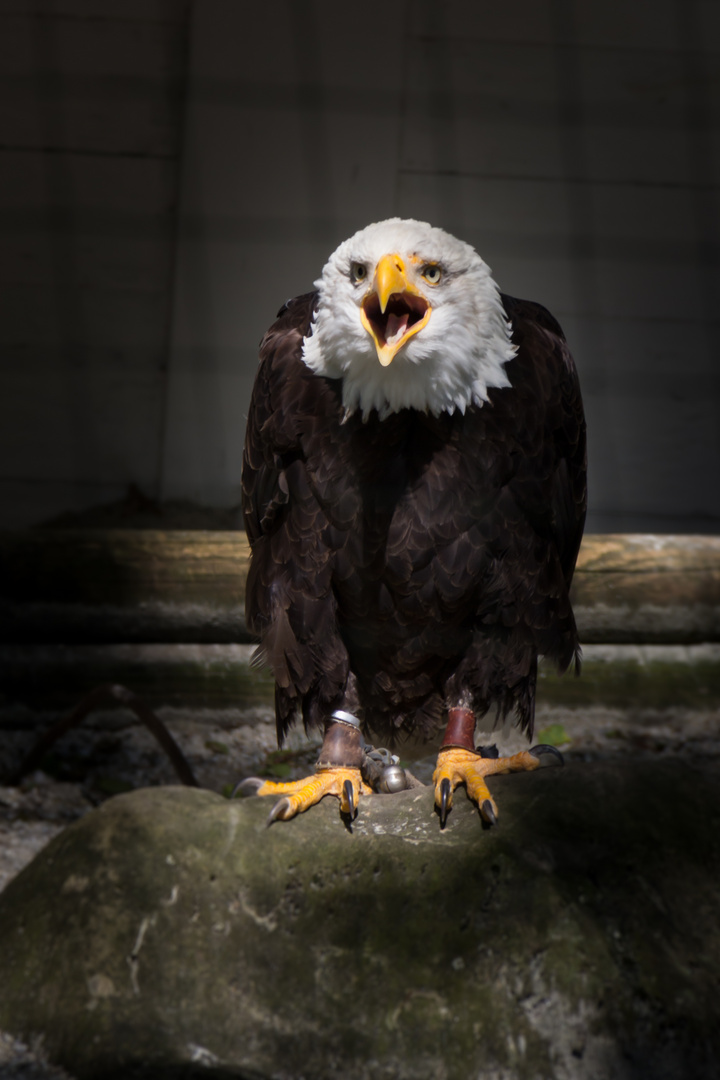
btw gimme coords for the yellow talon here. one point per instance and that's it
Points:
(299, 795)
(456, 766)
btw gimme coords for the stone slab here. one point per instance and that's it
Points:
(170, 930)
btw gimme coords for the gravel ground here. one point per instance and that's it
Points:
(111, 753)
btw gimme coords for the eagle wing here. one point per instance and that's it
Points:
(293, 532)
(549, 375)
(271, 420)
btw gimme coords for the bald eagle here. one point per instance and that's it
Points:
(414, 495)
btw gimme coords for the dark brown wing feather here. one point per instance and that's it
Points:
(542, 348)
(296, 537)
(413, 562)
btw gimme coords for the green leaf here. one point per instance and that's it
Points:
(554, 735)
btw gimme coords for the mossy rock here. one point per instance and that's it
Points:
(171, 933)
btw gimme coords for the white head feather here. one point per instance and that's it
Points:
(450, 363)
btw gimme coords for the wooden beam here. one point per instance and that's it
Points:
(55, 677)
(51, 678)
(126, 585)
(648, 588)
(120, 585)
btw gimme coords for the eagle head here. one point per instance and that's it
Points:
(408, 317)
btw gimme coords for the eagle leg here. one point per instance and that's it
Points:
(337, 772)
(459, 763)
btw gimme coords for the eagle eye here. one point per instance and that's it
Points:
(432, 273)
(358, 272)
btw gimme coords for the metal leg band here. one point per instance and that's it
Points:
(343, 717)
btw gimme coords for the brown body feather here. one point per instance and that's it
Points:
(401, 566)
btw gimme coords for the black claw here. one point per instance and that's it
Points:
(350, 796)
(278, 810)
(488, 751)
(444, 796)
(249, 786)
(488, 813)
(544, 748)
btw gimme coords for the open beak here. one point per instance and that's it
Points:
(393, 310)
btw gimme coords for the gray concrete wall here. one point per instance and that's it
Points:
(573, 142)
(91, 109)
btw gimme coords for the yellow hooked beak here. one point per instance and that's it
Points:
(394, 309)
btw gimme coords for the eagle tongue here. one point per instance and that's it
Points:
(396, 327)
